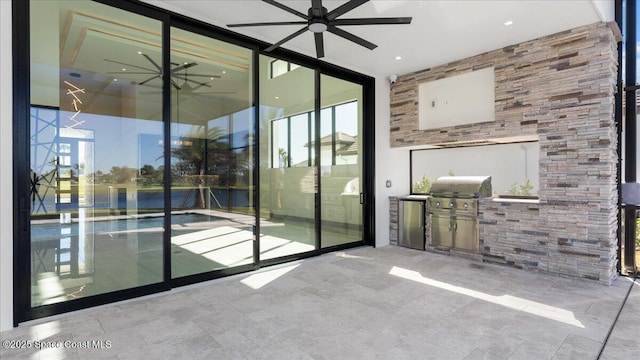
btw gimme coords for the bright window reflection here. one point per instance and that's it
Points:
(513, 167)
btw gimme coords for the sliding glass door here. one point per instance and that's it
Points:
(212, 145)
(310, 170)
(95, 228)
(341, 161)
(288, 171)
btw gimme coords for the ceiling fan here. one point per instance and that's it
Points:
(319, 19)
(156, 72)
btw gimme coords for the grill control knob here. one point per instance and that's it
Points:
(451, 204)
(437, 203)
(466, 206)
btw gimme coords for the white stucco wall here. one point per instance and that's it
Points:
(391, 164)
(6, 189)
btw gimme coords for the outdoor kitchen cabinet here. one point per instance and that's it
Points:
(411, 222)
(458, 232)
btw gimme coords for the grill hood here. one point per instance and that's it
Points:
(462, 186)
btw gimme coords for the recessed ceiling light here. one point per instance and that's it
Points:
(508, 23)
(115, 79)
(123, 69)
(277, 97)
(211, 78)
(398, 57)
(224, 71)
(139, 52)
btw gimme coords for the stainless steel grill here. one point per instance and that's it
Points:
(453, 211)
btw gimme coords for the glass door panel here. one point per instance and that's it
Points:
(212, 142)
(95, 225)
(340, 161)
(288, 179)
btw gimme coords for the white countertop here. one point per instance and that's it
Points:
(515, 200)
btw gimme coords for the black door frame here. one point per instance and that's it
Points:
(627, 87)
(22, 310)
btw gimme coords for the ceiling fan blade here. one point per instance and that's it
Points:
(152, 61)
(133, 72)
(131, 65)
(331, 15)
(149, 79)
(185, 78)
(175, 84)
(373, 21)
(274, 46)
(206, 75)
(349, 36)
(182, 67)
(316, 7)
(319, 45)
(286, 8)
(269, 23)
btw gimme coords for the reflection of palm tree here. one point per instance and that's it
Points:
(192, 155)
(284, 157)
(193, 147)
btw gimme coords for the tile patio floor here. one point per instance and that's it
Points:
(385, 303)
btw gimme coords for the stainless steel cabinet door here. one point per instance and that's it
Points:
(465, 233)
(412, 224)
(441, 231)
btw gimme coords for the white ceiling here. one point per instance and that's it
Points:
(441, 31)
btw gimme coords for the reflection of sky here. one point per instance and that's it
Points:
(116, 138)
(130, 142)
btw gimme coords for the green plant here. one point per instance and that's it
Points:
(450, 173)
(422, 186)
(637, 233)
(525, 189)
(513, 189)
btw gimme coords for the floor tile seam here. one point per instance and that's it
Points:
(564, 341)
(503, 356)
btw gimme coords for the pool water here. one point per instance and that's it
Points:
(50, 231)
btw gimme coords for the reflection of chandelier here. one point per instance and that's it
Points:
(73, 91)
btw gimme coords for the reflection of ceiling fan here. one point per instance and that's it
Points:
(320, 20)
(156, 73)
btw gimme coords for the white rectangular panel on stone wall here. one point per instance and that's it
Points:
(457, 100)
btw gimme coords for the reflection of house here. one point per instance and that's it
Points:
(346, 149)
